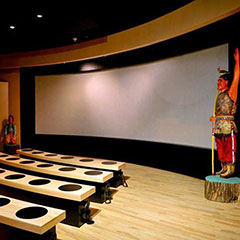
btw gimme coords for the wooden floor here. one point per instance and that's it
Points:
(159, 205)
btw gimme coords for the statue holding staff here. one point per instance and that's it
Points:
(224, 128)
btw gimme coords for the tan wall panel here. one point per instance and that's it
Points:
(197, 14)
(13, 79)
(3, 110)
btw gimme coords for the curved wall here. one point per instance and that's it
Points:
(195, 15)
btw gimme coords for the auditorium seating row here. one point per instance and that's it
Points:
(40, 189)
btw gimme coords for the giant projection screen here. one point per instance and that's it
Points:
(167, 101)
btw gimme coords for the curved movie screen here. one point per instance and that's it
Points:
(167, 101)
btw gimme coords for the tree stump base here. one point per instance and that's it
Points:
(222, 189)
(10, 148)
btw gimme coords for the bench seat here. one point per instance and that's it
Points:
(28, 217)
(56, 169)
(45, 186)
(72, 197)
(75, 160)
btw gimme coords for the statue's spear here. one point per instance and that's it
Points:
(213, 127)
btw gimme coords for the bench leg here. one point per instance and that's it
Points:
(78, 214)
(118, 179)
(102, 194)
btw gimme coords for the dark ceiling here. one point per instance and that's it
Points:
(62, 22)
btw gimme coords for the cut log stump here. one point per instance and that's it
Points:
(222, 189)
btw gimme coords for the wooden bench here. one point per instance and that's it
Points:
(56, 169)
(95, 163)
(68, 196)
(80, 175)
(24, 220)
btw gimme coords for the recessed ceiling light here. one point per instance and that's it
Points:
(12, 27)
(39, 15)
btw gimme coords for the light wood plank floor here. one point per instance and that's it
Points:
(159, 205)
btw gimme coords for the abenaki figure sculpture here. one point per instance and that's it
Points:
(224, 128)
(10, 131)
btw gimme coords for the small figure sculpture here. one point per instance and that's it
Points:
(224, 127)
(10, 131)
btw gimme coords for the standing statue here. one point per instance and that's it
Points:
(224, 127)
(10, 131)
